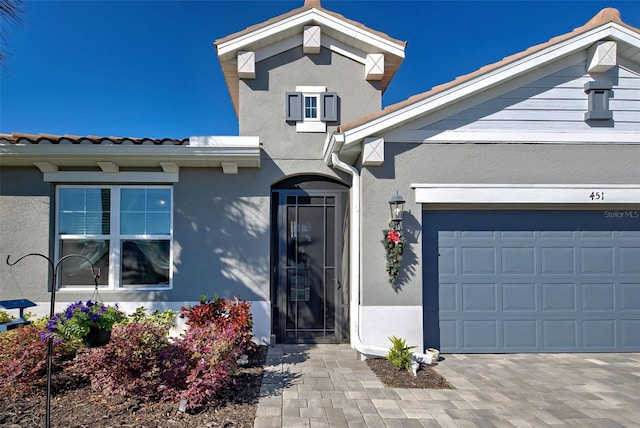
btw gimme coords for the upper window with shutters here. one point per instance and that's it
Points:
(311, 107)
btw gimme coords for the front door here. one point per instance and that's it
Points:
(309, 297)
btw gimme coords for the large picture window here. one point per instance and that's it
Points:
(125, 231)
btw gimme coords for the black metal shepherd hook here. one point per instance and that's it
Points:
(54, 268)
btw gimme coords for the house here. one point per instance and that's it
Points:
(521, 180)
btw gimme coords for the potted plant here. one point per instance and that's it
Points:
(91, 321)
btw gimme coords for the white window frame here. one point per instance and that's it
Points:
(316, 97)
(311, 124)
(115, 239)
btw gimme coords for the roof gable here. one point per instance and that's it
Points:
(606, 25)
(285, 31)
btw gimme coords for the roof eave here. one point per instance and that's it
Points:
(481, 80)
(255, 36)
(229, 45)
(244, 154)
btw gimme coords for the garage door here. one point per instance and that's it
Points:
(532, 281)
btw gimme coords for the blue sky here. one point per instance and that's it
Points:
(149, 68)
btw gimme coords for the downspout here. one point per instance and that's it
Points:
(356, 264)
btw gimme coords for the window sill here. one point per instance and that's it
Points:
(315, 126)
(81, 289)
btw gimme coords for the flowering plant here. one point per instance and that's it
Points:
(78, 318)
(394, 244)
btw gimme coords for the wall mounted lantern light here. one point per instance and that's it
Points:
(396, 205)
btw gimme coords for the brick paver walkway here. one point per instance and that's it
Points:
(327, 386)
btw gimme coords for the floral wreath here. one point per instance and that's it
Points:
(394, 244)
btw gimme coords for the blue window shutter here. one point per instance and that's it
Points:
(598, 93)
(293, 106)
(329, 106)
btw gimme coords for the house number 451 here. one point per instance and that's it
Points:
(597, 196)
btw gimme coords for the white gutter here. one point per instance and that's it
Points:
(332, 144)
(355, 265)
(199, 152)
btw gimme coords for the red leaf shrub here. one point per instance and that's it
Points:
(139, 360)
(223, 313)
(130, 363)
(23, 360)
(214, 354)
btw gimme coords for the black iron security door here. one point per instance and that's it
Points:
(309, 297)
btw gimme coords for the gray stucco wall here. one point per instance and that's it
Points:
(24, 228)
(221, 233)
(221, 222)
(222, 229)
(468, 163)
(262, 101)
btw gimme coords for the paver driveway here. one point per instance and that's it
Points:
(578, 390)
(327, 386)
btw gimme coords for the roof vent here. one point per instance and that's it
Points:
(598, 92)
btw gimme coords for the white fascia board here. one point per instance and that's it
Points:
(526, 193)
(224, 142)
(362, 35)
(625, 35)
(478, 84)
(106, 152)
(310, 16)
(244, 150)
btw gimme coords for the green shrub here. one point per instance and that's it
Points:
(5, 316)
(165, 319)
(38, 322)
(400, 354)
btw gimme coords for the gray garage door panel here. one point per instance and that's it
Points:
(522, 281)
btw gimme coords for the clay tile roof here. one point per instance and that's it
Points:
(17, 137)
(603, 17)
(313, 3)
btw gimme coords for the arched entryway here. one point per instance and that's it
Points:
(309, 282)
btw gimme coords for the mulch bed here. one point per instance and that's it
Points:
(73, 404)
(392, 376)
